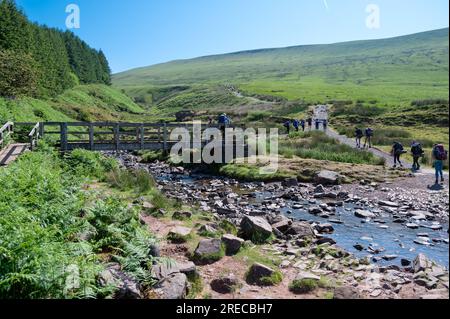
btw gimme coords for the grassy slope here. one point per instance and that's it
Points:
(390, 71)
(84, 103)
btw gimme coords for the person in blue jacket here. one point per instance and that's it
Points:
(223, 121)
(296, 124)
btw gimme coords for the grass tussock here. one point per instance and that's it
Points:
(316, 145)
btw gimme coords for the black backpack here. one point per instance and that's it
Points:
(416, 149)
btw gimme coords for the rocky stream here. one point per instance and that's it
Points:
(390, 237)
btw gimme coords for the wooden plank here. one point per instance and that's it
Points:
(11, 153)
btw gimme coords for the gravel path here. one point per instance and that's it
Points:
(321, 113)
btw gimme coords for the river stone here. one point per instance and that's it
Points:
(346, 293)
(225, 285)
(326, 177)
(232, 244)
(315, 210)
(421, 263)
(282, 226)
(325, 228)
(255, 228)
(208, 251)
(173, 287)
(325, 240)
(360, 213)
(319, 189)
(126, 287)
(289, 182)
(301, 229)
(257, 272)
(388, 204)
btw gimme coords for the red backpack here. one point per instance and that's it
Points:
(440, 153)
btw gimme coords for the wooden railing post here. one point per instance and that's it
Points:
(117, 136)
(91, 136)
(165, 138)
(41, 129)
(142, 136)
(63, 128)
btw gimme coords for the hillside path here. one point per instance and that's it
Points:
(321, 113)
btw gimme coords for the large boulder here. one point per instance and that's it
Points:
(262, 275)
(208, 251)
(282, 226)
(256, 229)
(225, 284)
(126, 287)
(301, 229)
(290, 182)
(327, 178)
(232, 244)
(173, 287)
(179, 234)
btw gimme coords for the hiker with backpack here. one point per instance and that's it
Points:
(309, 123)
(417, 152)
(302, 124)
(369, 134)
(296, 124)
(359, 135)
(439, 155)
(397, 151)
(317, 124)
(223, 121)
(287, 125)
(325, 124)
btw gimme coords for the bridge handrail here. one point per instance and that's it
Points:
(34, 135)
(5, 131)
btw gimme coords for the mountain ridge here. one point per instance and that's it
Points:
(293, 47)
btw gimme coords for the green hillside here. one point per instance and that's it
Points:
(389, 71)
(94, 102)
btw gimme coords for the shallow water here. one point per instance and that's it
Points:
(397, 239)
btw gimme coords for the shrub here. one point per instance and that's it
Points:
(90, 164)
(303, 286)
(273, 280)
(139, 180)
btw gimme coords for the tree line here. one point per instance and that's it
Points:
(39, 61)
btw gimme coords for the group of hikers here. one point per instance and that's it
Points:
(304, 124)
(438, 154)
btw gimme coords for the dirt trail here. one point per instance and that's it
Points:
(321, 113)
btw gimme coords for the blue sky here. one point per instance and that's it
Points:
(137, 33)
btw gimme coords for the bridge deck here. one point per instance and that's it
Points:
(11, 152)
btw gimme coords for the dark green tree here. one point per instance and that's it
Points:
(18, 74)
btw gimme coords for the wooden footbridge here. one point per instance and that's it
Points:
(98, 136)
